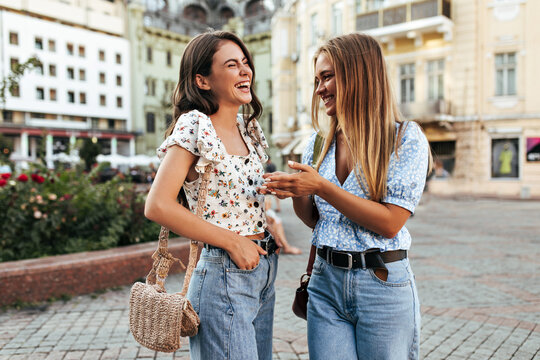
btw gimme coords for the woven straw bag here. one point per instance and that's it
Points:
(158, 319)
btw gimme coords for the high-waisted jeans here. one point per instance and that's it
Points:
(352, 314)
(236, 307)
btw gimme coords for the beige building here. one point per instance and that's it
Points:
(465, 70)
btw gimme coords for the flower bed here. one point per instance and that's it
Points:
(46, 212)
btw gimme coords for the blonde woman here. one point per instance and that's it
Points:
(232, 288)
(369, 177)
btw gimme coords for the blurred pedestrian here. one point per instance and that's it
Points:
(270, 168)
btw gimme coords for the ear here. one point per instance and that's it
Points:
(202, 82)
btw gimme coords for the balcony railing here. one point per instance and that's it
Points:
(425, 111)
(411, 11)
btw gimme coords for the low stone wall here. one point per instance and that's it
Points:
(81, 273)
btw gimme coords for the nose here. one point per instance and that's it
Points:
(320, 88)
(245, 70)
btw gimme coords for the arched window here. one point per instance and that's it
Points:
(255, 7)
(195, 13)
(226, 13)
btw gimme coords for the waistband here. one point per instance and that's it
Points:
(371, 258)
(268, 244)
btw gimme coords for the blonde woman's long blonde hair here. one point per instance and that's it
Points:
(366, 110)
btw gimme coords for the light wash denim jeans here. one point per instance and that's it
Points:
(352, 314)
(236, 307)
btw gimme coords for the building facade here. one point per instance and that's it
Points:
(159, 32)
(464, 70)
(82, 87)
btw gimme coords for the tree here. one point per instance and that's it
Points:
(89, 152)
(11, 82)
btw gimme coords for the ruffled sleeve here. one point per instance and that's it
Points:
(255, 132)
(194, 132)
(407, 173)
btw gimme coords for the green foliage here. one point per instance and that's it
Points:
(11, 82)
(62, 212)
(89, 152)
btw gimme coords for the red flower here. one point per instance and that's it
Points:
(38, 178)
(6, 176)
(23, 178)
(3, 182)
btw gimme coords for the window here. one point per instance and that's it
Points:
(52, 94)
(15, 91)
(314, 29)
(406, 78)
(52, 45)
(52, 70)
(82, 74)
(81, 51)
(150, 122)
(69, 48)
(149, 54)
(14, 63)
(71, 97)
(435, 73)
(70, 73)
(102, 78)
(111, 123)
(102, 100)
(337, 16)
(118, 80)
(14, 38)
(8, 116)
(118, 101)
(101, 55)
(150, 87)
(82, 98)
(168, 120)
(444, 156)
(39, 69)
(40, 94)
(505, 74)
(504, 158)
(38, 43)
(169, 58)
(118, 58)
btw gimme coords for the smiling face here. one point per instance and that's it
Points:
(230, 76)
(325, 82)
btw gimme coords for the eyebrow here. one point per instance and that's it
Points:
(235, 60)
(324, 72)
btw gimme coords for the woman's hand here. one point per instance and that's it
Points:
(305, 182)
(244, 252)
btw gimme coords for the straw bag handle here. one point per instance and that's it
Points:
(163, 258)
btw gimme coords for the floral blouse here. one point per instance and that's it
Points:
(405, 183)
(232, 201)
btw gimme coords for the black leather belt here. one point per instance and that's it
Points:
(372, 258)
(268, 244)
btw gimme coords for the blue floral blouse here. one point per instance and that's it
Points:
(405, 184)
(232, 201)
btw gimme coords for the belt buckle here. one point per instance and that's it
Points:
(349, 261)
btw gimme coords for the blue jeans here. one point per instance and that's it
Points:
(236, 307)
(352, 314)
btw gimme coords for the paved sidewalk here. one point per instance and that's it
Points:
(476, 264)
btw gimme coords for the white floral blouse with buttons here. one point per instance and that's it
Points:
(232, 201)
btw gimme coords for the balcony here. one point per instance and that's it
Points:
(425, 111)
(407, 20)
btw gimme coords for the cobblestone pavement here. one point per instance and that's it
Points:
(476, 264)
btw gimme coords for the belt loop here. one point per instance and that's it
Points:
(363, 260)
(329, 255)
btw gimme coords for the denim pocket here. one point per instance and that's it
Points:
(398, 274)
(319, 265)
(195, 288)
(234, 269)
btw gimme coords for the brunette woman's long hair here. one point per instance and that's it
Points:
(197, 59)
(366, 109)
